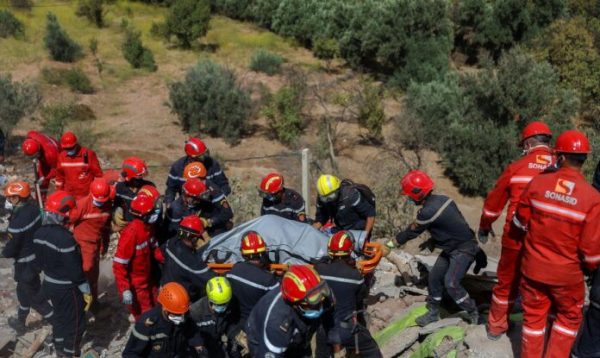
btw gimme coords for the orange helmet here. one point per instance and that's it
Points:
(174, 298)
(17, 188)
(416, 185)
(252, 243)
(340, 244)
(68, 140)
(194, 187)
(100, 190)
(302, 284)
(194, 170)
(572, 142)
(60, 202)
(30, 147)
(272, 183)
(141, 205)
(194, 147)
(133, 167)
(535, 128)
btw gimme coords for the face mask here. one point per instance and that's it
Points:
(219, 308)
(312, 314)
(8, 205)
(176, 319)
(152, 219)
(97, 203)
(72, 152)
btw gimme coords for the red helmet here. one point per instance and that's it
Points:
(194, 170)
(141, 205)
(133, 167)
(192, 224)
(252, 243)
(60, 202)
(194, 187)
(68, 140)
(417, 185)
(17, 188)
(340, 244)
(572, 141)
(149, 190)
(100, 190)
(302, 284)
(535, 128)
(194, 147)
(272, 183)
(30, 147)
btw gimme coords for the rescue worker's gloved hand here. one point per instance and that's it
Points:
(427, 245)
(127, 297)
(388, 246)
(201, 352)
(480, 261)
(88, 299)
(206, 222)
(482, 235)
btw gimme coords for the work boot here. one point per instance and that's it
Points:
(432, 315)
(473, 317)
(491, 336)
(17, 324)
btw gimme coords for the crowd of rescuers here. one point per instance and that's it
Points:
(182, 308)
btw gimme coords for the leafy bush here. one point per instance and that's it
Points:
(265, 61)
(17, 99)
(236, 9)
(370, 110)
(326, 49)
(209, 99)
(262, 11)
(135, 53)
(187, 20)
(75, 78)
(10, 25)
(284, 114)
(474, 121)
(59, 117)
(93, 10)
(59, 44)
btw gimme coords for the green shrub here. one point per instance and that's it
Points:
(93, 10)
(59, 117)
(236, 9)
(187, 20)
(75, 78)
(473, 122)
(10, 25)
(284, 114)
(135, 53)
(209, 99)
(17, 99)
(58, 43)
(265, 61)
(262, 11)
(326, 49)
(370, 110)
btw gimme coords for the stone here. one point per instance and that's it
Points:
(401, 342)
(432, 327)
(482, 347)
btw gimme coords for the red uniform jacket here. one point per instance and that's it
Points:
(48, 159)
(561, 213)
(509, 187)
(75, 174)
(132, 264)
(90, 223)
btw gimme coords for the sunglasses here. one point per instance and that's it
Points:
(329, 198)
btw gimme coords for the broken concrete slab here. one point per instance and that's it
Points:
(432, 327)
(401, 343)
(480, 346)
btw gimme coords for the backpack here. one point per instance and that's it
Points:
(364, 190)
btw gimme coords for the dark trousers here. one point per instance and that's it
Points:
(30, 295)
(587, 344)
(367, 347)
(448, 272)
(68, 322)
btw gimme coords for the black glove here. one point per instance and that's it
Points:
(427, 245)
(482, 235)
(480, 261)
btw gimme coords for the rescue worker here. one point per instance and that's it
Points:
(165, 331)
(349, 289)
(558, 215)
(181, 261)
(77, 167)
(197, 170)
(441, 217)
(535, 141)
(44, 150)
(58, 256)
(133, 172)
(91, 227)
(279, 200)
(132, 263)
(217, 316)
(196, 200)
(24, 220)
(251, 279)
(195, 151)
(344, 205)
(283, 322)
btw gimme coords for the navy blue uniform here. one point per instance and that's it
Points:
(450, 232)
(349, 212)
(23, 223)
(125, 194)
(58, 256)
(291, 206)
(153, 336)
(250, 283)
(175, 180)
(212, 327)
(183, 266)
(219, 213)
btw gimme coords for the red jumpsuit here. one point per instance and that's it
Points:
(561, 213)
(91, 228)
(75, 174)
(48, 159)
(509, 187)
(132, 265)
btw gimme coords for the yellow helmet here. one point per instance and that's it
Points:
(327, 184)
(218, 290)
